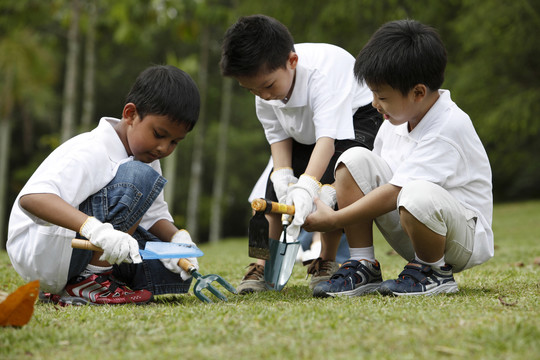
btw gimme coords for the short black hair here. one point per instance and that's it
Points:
(402, 54)
(168, 91)
(255, 44)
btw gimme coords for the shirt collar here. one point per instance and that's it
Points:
(115, 148)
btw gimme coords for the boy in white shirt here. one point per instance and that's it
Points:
(311, 109)
(106, 186)
(427, 182)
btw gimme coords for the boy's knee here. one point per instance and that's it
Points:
(354, 157)
(134, 171)
(417, 194)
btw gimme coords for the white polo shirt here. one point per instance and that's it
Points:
(78, 168)
(324, 99)
(444, 149)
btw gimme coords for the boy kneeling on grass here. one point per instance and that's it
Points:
(427, 182)
(106, 186)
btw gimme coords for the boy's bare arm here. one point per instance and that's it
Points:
(376, 203)
(320, 157)
(53, 209)
(163, 230)
(282, 153)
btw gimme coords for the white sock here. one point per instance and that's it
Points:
(365, 253)
(437, 264)
(93, 269)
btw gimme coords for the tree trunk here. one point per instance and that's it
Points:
(221, 161)
(169, 173)
(70, 81)
(87, 117)
(198, 144)
(5, 138)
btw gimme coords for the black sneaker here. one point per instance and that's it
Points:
(420, 279)
(354, 278)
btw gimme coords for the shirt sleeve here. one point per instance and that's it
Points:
(434, 159)
(159, 210)
(331, 105)
(71, 175)
(272, 127)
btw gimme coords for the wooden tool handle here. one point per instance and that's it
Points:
(87, 245)
(186, 265)
(84, 244)
(271, 207)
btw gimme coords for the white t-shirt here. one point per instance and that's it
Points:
(324, 99)
(78, 168)
(444, 149)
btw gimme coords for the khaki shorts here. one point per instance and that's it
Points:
(429, 203)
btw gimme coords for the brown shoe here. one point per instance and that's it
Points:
(253, 281)
(321, 270)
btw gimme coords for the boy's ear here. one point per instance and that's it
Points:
(293, 60)
(419, 92)
(129, 113)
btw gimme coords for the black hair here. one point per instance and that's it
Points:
(255, 44)
(166, 90)
(402, 54)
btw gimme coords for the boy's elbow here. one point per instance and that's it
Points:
(27, 201)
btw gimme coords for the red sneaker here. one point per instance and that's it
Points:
(100, 289)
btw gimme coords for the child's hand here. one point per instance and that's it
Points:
(328, 195)
(301, 195)
(117, 246)
(321, 219)
(180, 237)
(282, 178)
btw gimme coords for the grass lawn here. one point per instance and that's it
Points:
(495, 315)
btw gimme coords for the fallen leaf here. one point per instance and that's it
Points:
(503, 302)
(18, 307)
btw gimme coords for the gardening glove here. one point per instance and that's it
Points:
(181, 237)
(301, 195)
(117, 246)
(282, 178)
(328, 195)
(285, 234)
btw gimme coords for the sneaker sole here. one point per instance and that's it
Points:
(251, 286)
(359, 291)
(448, 288)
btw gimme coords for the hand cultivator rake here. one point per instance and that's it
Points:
(158, 250)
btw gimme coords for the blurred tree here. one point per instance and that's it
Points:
(27, 71)
(89, 82)
(72, 72)
(221, 161)
(497, 82)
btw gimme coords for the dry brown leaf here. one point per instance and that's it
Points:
(18, 307)
(503, 302)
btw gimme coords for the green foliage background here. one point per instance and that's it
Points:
(493, 75)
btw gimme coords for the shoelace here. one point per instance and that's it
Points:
(318, 266)
(255, 272)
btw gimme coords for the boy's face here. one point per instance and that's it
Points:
(398, 108)
(153, 137)
(276, 85)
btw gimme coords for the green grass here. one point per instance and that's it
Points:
(496, 314)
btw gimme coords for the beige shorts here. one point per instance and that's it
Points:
(431, 204)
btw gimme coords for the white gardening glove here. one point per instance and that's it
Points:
(117, 246)
(301, 195)
(328, 195)
(181, 237)
(282, 178)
